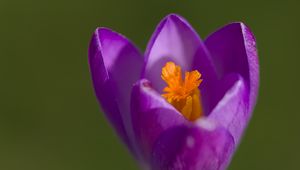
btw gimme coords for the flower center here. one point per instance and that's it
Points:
(184, 95)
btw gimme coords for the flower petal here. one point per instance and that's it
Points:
(232, 110)
(233, 49)
(202, 147)
(203, 63)
(173, 40)
(151, 116)
(115, 64)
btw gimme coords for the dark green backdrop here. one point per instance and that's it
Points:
(49, 117)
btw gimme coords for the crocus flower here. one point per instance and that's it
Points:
(184, 103)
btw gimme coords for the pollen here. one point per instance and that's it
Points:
(183, 94)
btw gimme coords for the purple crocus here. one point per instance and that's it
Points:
(185, 103)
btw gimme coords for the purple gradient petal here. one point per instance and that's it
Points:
(115, 64)
(233, 49)
(232, 110)
(151, 116)
(174, 40)
(202, 147)
(203, 63)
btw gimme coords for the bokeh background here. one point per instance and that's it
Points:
(49, 116)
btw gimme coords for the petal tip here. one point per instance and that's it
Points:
(176, 18)
(107, 33)
(99, 29)
(102, 31)
(244, 28)
(173, 16)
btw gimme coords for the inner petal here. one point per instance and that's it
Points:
(173, 40)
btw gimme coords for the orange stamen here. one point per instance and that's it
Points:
(183, 95)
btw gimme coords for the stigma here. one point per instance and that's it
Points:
(183, 94)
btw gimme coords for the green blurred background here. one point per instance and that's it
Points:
(49, 116)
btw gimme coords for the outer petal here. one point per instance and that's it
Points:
(173, 40)
(232, 111)
(233, 49)
(115, 64)
(151, 116)
(201, 147)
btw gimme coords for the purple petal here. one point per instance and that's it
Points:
(203, 63)
(173, 40)
(115, 64)
(233, 49)
(232, 110)
(151, 116)
(201, 147)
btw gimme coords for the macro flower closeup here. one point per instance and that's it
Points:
(183, 104)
